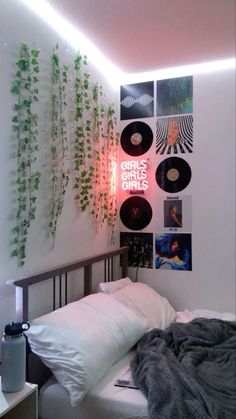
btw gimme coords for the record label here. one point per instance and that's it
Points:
(136, 213)
(173, 174)
(136, 138)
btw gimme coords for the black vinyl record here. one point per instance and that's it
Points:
(173, 174)
(136, 213)
(136, 138)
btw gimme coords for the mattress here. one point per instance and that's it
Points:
(104, 401)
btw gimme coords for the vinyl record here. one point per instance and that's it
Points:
(136, 138)
(136, 213)
(173, 174)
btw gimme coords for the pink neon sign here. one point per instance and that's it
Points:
(134, 175)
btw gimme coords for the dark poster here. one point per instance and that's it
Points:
(136, 100)
(140, 249)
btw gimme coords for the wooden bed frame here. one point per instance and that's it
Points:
(36, 371)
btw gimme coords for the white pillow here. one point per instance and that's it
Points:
(145, 301)
(81, 341)
(112, 286)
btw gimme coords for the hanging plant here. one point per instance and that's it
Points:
(103, 197)
(25, 121)
(98, 195)
(83, 169)
(112, 157)
(59, 141)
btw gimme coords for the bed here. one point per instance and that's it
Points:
(89, 344)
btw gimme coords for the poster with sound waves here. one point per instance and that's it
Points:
(175, 96)
(174, 134)
(137, 100)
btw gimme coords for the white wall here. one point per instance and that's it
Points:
(211, 284)
(76, 236)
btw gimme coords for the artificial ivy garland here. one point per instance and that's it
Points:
(59, 141)
(103, 198)
(25, 122)
(112, 155)
(94, 146)
(83, 169)
(98, 197)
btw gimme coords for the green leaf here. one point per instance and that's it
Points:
(35, 52)
(27, 103)
(23, 64)
(14, 253)
(15, 89)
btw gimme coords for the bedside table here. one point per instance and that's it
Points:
(21, 404)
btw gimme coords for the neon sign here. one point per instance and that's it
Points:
(134, 175)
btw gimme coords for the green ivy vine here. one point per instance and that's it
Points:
(83, 169)
(25, 123)
(112, 156)
(98, 195)
(103, 197)
(59, 140)
(94, 151)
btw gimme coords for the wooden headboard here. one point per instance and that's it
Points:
(60, 273)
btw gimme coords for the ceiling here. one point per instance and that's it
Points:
(146, 35)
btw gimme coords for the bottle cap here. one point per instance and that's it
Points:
(14, 329)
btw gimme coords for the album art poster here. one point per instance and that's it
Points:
(178, 213)
(175, 96)
(140, 249)
(136, 100)
(173, 251)
(173, 213)
(174, 134)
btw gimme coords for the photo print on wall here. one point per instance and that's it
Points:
(177, 212)
(140, 249)
(173, 213)
(173, 251)
(137, 100)
(175, 96)
(174, 134)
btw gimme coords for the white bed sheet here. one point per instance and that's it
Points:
(104, 401)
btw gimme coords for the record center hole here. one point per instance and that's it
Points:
(173, 175)
(136, 138)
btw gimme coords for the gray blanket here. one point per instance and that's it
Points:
(188, 371)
